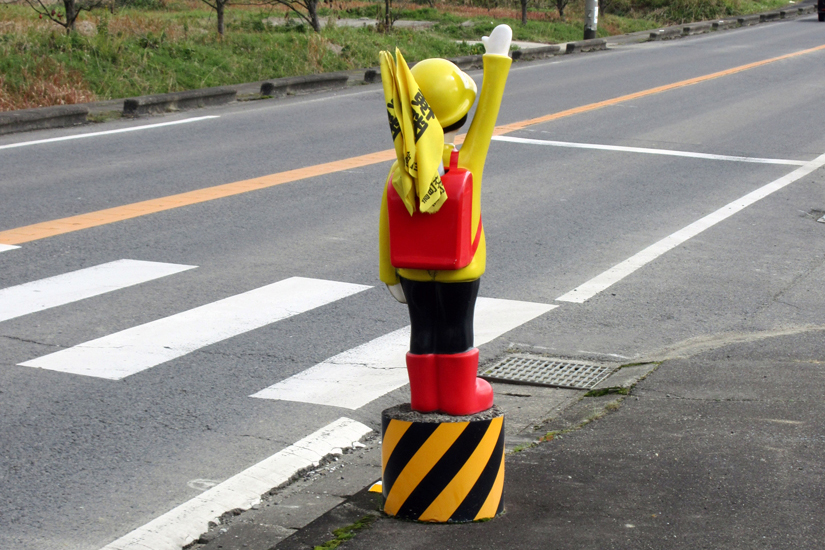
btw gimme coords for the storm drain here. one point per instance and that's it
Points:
(546, 371)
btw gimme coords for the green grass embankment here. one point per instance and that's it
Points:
(173, 46)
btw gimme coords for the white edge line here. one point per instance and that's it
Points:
(107, 132)
(667, 152)
(618, 272)
(182, 525)
(7, 247)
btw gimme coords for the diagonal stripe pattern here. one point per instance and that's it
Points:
(444, 472)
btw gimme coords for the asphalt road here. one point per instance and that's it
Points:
(84, 460)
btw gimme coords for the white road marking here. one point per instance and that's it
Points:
(107, 132)
(77, 285)
(618, 272)
(7, 247)
(142, 347)
(360, 375)
(667, 152)
(182, 525)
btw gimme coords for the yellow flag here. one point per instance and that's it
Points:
(417, 136)
(401, 180)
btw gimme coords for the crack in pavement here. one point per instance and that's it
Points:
(700, 344)
(660, 393)
(259, 437)
(27, 341)
(815, 265)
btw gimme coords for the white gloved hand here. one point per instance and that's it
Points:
(498, 42)
(397, 293)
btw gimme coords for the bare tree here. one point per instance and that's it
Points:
(71, 9)
(386, 23)
(305, 9)
(560, 5)
(523, 12)
(219, 6)
(309, 13)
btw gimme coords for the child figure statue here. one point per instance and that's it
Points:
(427, 105)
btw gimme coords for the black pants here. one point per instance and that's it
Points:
(441, 315)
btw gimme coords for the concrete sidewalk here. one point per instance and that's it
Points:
(720, 450)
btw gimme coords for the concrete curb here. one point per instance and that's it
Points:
(61, 116)
(467, 62)
(749, 20)
(592, 45)
(176, 101)
(723, 24)
(742, 21)
(667, 32)
(541, 52)
(697, 28)
(280, 87)
(58, 116)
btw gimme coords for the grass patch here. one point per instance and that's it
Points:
(139, 53)
(157, 46)
(346, 533)
(640, 363)
(104, 116)
(606, 391)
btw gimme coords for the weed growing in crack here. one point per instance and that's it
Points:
(605, 391)
(346, 533)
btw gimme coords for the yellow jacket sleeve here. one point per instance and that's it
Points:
(472, 157)
(386, 271)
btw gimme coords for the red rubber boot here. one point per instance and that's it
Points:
(460, 391)
(423, 391)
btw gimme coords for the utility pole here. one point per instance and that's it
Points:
(591, 18)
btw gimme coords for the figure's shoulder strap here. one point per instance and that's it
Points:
(477, 240)
(454, 159)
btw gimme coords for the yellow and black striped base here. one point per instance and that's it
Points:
(438, 468)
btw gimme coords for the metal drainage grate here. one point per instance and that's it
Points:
(545, 371)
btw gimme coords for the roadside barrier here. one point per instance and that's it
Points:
(177, 101)
(442, 468)
(43, 117)
(280, 87)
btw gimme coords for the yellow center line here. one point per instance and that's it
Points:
(507, 128)
(61, 226)
(119, 213)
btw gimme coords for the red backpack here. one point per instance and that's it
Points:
(435, 241)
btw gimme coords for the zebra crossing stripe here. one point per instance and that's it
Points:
(355, 377)
(77, 285)
(7, 247)
(142, 347)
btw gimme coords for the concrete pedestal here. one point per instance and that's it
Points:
(441, 468)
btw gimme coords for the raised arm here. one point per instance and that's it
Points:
(496, 66)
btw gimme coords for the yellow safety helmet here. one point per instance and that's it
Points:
(449, 91)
